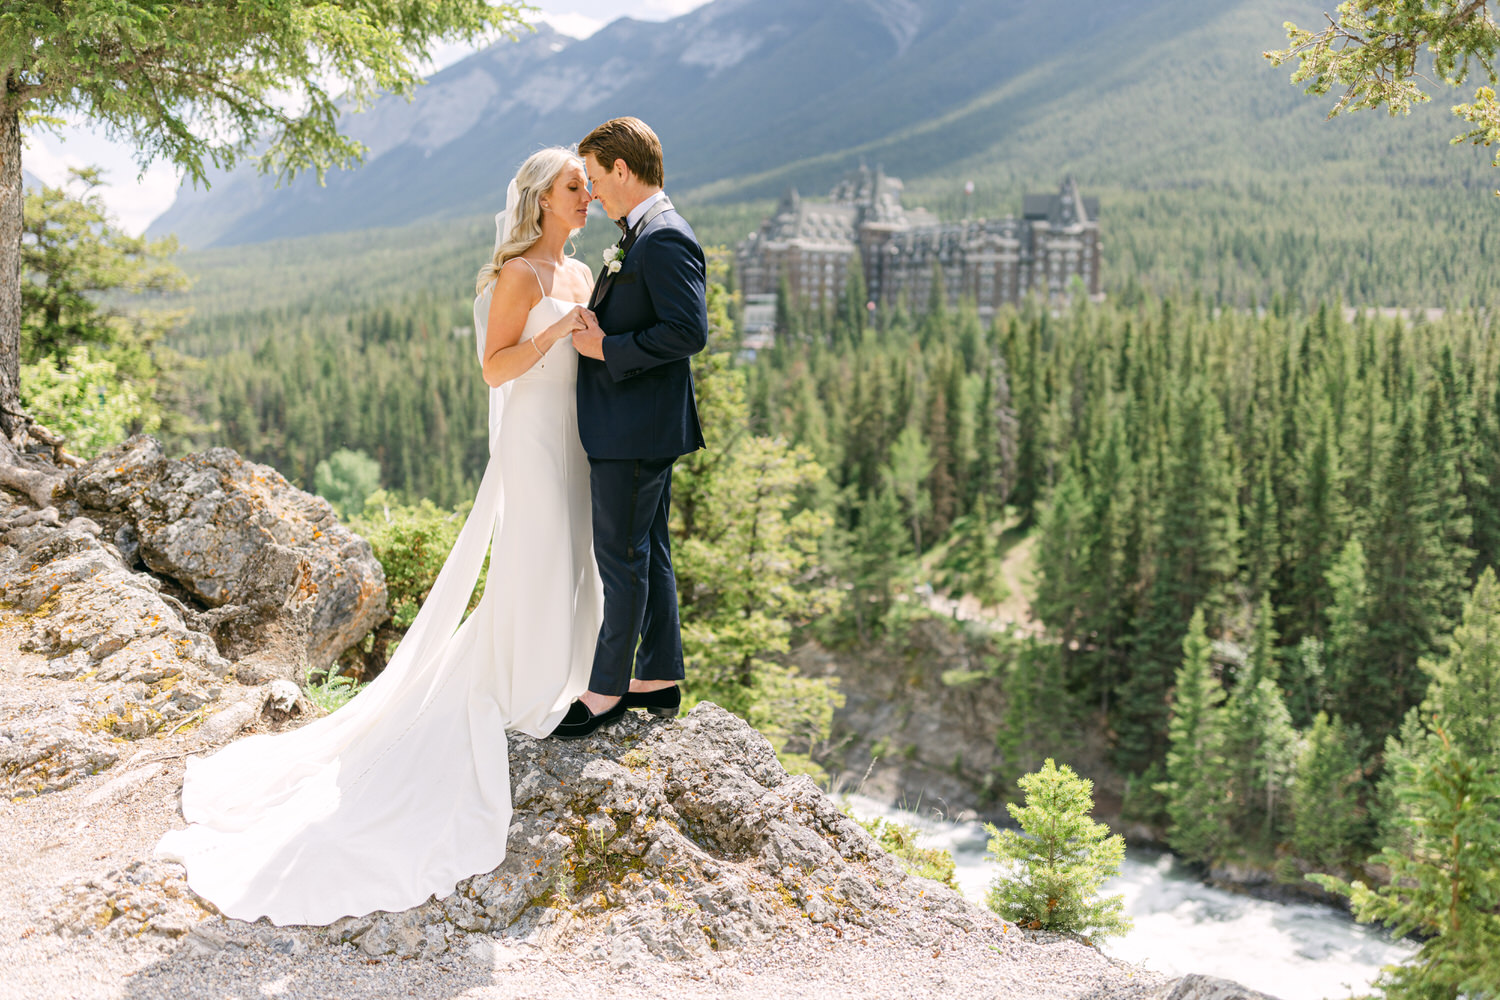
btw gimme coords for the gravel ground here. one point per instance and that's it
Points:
(109, 821)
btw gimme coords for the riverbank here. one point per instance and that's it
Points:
(918, 731)
(1296, 951)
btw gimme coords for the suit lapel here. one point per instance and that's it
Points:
(601, 286)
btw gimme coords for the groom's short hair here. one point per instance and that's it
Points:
(628, 139)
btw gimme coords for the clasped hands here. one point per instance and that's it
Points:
(588, 338)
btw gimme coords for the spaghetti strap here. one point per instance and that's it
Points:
(538, 277)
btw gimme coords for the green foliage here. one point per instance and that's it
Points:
(1327, 803)
(1197, 769)
(911, 464)
(1374, 54)
(1059, 859)
(200, 84)
(1260, 746)
(1444, 876)
(331, 691)
(76, 264)
(346, 479)
(412, 542)
(972, 555)
(71, 252)
(901, 842)
(396, 382)
(747, 559)
(1041, 716)
(1464, 688)
(85, 400)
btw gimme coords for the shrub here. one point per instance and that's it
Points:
(84, 399)
(900, 841)
(412, 543)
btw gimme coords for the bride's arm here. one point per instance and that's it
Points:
(505, 356)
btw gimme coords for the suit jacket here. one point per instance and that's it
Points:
(638, 402)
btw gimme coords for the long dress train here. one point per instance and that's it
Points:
(405, 790)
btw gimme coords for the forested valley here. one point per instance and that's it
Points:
(1264, 533)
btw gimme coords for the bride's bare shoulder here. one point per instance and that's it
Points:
(517, 276)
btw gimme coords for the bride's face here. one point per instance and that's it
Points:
(569, 198)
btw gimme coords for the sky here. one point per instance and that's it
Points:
(135, 199)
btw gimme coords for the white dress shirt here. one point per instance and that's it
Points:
(635, 214)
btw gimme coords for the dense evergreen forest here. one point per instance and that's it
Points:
(1321, 494)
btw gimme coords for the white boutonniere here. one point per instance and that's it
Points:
(613, 258)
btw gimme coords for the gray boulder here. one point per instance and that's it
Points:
(1199, 987)
(234, 534)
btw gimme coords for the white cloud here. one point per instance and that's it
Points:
(133, 201)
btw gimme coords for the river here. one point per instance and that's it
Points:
(1295, 951)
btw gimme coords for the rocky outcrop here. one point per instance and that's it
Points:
(654, 841)
(237, 535)
(663, 841)
(111, 588)
(653, 845)
(1196, 987)
(142, 668)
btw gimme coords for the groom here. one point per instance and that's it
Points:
(636, 414)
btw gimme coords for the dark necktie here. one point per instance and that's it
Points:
(624, 226)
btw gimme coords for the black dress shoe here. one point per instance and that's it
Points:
(580, 722)
(663, 703)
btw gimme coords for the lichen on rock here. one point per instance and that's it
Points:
(143, 587)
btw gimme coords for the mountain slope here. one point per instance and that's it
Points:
(737, 89)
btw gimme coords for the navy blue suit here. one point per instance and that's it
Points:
(636, 414)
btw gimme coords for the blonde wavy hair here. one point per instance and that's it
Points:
(534, 179)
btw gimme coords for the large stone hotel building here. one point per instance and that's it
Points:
(990, 261)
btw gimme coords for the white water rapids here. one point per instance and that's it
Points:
(1295, 951)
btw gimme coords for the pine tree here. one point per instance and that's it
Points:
(1031, 411)
(878, 555)
(1197, 771)
(1061, 857)
(1260, 741)
(1413, 585)
(1262, 532)
(942, 488)
(1485, 482)
(1444, 877)
(1318, 531)
(994, 438)
(1195, 565)
(906, 476)
(1464, 686)
(1328, 819)
(1348, 636)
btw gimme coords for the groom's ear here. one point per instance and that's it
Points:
(621, 169)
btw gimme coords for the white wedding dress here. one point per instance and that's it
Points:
(405, 790)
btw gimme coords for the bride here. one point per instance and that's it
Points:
(406, 789)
